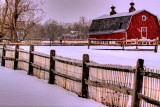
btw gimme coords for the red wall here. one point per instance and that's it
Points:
(136, 23)
(109, 36)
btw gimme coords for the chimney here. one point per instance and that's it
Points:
(132, 9)
(113, 11)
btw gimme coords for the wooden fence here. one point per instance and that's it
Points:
(124, 43)
(112, 85)
(50, 43)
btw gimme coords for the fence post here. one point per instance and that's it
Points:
(52, 67)
(31, 59)
(3, 55)
(85, 76)
(89, 43)
(16, 55)
(137, 43)
(123, 43)
(138, 82)
(156, 44)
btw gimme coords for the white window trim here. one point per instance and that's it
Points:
(141, 32)
(145, 18)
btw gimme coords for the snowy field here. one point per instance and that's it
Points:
(17, 89)
(17, 86)
(100, 55)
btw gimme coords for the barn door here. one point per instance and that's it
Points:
(144, 32)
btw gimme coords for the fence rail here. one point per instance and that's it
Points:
(24, 51)
(39, 67)
(66, 61)
(86, 78)
(116, 88)
(112, 67)
(148, 99)
(51, 43)
(150, 74)
(66, 76)
(40, 54)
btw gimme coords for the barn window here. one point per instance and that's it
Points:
(143, 18)
(120, 25)
(144, 29)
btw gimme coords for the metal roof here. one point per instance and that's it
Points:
(118, 15)
(110, 25)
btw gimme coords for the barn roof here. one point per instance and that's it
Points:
(108, 24)
(118, 15)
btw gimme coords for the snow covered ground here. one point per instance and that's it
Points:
(102, 56)
(17, 89)
(17, 86)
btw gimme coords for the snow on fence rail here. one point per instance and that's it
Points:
(112, 85)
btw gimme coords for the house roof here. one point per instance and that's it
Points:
(107, 24)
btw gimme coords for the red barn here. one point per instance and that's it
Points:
(131, 25)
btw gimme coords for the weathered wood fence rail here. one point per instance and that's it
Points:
(111, 85)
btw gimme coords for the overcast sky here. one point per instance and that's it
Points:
(71, 10)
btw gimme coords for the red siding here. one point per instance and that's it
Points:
(109, 36)
(136, 23)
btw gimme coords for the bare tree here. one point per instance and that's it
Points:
(82, 26)
(36, 33)
(53, 29)
(18, 17)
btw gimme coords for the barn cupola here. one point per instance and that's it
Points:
(132, 9)
(113, 11)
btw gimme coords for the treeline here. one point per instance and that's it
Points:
(20, 20)
(53, 30)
